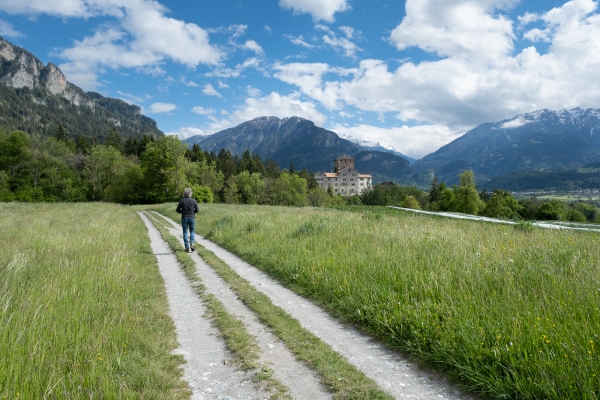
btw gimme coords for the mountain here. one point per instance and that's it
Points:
(298, 141)
(537, 141)
(37, 98)
(563, 180)
(376, 146)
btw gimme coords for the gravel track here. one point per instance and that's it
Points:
(300, 379)
(393, 372)
(208, 371)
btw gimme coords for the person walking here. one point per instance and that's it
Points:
(188, 207)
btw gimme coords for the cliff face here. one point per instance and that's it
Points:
(22, 69)
(38, 98)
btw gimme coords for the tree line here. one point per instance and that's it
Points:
(155, 170)
(465, 198)
(144, 170)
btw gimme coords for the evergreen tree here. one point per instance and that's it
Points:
(61, 134)
(114, 140)
(226, 163)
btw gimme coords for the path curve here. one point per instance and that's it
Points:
(545, 225)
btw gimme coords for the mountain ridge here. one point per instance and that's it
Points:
(540, 140)
(298, 141)
(42, 98)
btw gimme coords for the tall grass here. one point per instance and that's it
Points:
(83, 308)
(511, 313)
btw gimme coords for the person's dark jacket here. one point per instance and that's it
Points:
(187, 207)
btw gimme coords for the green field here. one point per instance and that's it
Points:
(507, 311)
(84, 311)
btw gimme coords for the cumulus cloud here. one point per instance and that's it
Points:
(463, 29)
(318, 9)
(209, 90)
(161, 108)
(223, 72)
(515, 123)
(415, 141)
(141, 37)
(7, 30)
(299, 41)
(253, 46)
(130, 98)
(478, 79)
(341, 44)
(188, 83)
(203, 111)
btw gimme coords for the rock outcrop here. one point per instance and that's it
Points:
(22, 69)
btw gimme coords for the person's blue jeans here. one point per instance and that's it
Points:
(188, 224)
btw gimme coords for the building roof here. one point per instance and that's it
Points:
(331, 174)
(344, 157)
(365, 176)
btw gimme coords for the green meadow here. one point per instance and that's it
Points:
(508, 311)
(84, 311)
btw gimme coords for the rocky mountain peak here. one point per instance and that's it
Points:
(22, 69)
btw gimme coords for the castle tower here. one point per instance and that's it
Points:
(343, 162)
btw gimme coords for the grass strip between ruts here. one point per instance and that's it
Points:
(238, 340)
(345, 380)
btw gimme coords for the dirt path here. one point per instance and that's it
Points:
(207, 371)
(394, 373)
(547, 225)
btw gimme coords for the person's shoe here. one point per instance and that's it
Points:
(192, 248)
(187, 250)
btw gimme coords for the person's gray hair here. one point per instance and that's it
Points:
(187, 192)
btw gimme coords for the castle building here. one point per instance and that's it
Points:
(346, 180)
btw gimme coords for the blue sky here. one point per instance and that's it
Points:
(412, 74)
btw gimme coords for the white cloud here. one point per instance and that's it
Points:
(209, 90)
(130, 98)
(154, 71)
(60, 8)
(515, 123)
(478, 79)
(158, 108)
(188, 83)
(414, 141)
(268, 29)
(253, 46)
(187, 132)
(222, 72)
(142, 37)
(348, 31)
(464, 29)
(343, 44)
(203, 111)
(252, 91)
(299, 41)
(7, 30)
(223, 85)
(319, 9)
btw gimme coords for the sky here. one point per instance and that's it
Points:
(412, 74)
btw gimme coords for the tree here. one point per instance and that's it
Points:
(165, 166)
(502, 205)
(466, 197)
(61, 134)
(287, 190)
(114, 139)
(14, 151)
(272, 169)
(226, 163)
(250, 187)
(99, 169)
